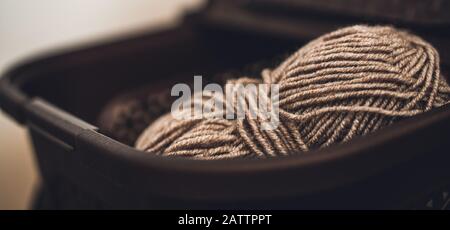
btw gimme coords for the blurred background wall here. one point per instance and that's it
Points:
(33, 27)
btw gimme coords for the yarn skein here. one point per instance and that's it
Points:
(346, 83)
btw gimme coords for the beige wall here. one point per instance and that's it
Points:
(30, 27)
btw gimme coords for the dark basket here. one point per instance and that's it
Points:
(58, 97)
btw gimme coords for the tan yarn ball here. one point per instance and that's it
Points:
(346, 83)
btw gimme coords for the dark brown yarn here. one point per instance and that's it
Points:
(127, 115)
(344, 84)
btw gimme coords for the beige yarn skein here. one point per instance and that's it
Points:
(347, 83)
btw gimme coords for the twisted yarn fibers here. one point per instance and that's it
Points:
(346, 83)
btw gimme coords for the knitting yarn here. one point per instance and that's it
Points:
(346, 83)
